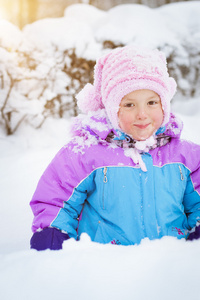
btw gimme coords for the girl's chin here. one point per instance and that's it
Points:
(141, 138)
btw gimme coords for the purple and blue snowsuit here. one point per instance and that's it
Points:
(91, 186)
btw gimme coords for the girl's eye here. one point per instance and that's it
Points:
(128, 105)
(153, 102)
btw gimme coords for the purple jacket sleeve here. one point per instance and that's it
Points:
(48, 238)
(59, 185)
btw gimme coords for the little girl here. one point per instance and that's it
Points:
(126, 174)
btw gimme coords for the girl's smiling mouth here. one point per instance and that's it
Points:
(142, 126)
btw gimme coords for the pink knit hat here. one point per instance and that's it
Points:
(122, 71)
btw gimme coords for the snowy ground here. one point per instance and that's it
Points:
(161, 269)
(166, 269)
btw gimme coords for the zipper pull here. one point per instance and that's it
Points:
(182, 178)
(105, 179)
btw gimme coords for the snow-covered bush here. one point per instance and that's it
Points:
(182, 19)
(44, 66)
(39, 80)
(10, 74)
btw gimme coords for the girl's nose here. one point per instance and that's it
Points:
(141, 113)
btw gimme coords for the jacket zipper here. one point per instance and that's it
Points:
(105, 177)
(182, 177)
(142, 208)
(105, 180)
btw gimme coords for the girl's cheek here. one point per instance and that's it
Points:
(121, 115)
(159, 119)
(123, 120)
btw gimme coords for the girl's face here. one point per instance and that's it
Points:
(140, 114)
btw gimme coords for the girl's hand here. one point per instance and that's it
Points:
(49, 238)
(195, 233)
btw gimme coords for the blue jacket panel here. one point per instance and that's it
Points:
(120, 204)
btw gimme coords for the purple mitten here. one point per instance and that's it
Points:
(194, 235)
(48, 238)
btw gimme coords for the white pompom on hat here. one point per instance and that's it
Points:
(122, 71)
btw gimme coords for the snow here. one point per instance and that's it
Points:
(10, 35)
(181, 14)
(160, 269)
(146, 26)
(154, 270)
(53, 32)
(85, 13)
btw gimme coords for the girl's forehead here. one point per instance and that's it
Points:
(141, 94)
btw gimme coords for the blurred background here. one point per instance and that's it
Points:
(22, 12)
